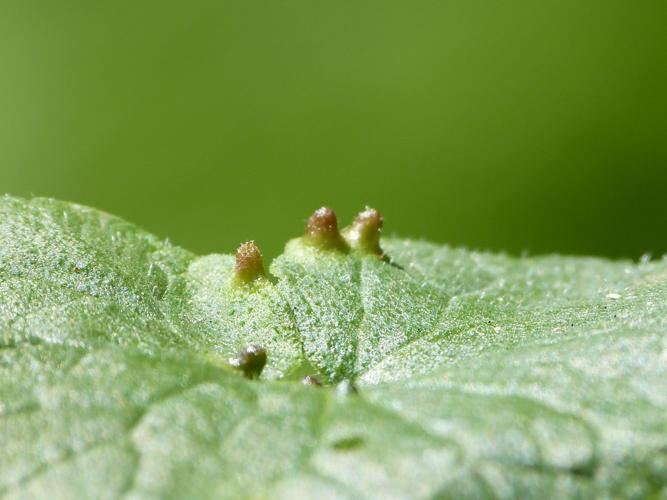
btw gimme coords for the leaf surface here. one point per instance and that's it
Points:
(478, 374)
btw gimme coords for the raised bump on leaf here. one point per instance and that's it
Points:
(249, 263)
(311, 380)
(322, 231)
(250, 361)
(346, 388)
(364, 233)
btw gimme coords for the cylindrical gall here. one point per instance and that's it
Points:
(249, 263)
(322, 231)
(364, 233)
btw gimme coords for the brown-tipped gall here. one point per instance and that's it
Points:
(249, 263)
(322, 231)
(250, 361)
(311, 380)
(364, 233)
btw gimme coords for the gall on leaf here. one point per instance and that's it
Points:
(322, 231)
(249, 264)
(250, 361)
(346, 388)
(311, 380)
(363, 235)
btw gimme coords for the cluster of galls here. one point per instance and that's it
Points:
(362, 236)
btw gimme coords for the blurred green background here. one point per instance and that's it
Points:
(515, 125)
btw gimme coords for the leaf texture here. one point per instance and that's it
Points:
(478, 375)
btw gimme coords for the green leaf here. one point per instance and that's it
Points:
(478, 375)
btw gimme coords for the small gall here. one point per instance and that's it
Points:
(249, 263)
(250, 361)
(364, 233)
(346, 388)
(322, 231)
(311, 380)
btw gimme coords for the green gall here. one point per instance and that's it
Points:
(364, 233)
(322, 231)
(249, 263)
(250, 361)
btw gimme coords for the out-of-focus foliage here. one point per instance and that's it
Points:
(514, 125)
